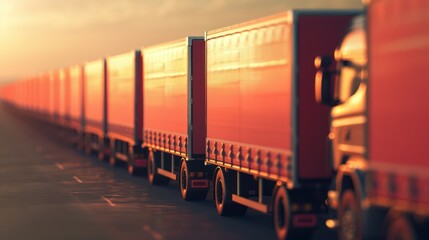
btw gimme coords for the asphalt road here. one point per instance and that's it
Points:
(48, 190)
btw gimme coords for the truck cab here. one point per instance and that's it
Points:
(348, 115)
(344, 88)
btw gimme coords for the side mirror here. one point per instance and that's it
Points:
(323, 81)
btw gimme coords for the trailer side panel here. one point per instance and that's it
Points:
(94, 95)
(398, 113)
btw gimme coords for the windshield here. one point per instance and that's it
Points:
(351, 62)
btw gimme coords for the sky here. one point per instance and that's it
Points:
(40, 35)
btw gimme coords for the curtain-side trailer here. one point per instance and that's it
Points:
(265, 132)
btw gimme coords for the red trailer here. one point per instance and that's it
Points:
(398, 178)
(41, 96)
(174, 114)
(20, 97)
(265, 132)
(64, 96)
(11, 93)
(27, 95)
(18, 94)
(54, 101)
(36, 96)
(124, 109)
(45, 96)
(5, 92)
(70, 109)
(94, 94)
(32, 95)
(23, 95)
(56, 91)
(74, 109)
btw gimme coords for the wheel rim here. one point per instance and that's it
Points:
(219, 192)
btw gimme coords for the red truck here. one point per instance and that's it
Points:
(94, 95)
(68, 109)
(36, 96)
(124, 110)
(45, 96)
(20, 95)
(378, 123)
(266, 133)
(174, 115)
(74, 102)
(64, 97)
(32, 98)
(54, 93)
(60, 87)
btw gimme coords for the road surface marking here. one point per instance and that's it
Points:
(154, 234)
(59, 166)
(77, 179)
(108, 201)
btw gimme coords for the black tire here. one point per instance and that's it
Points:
(132, 169)
(101, 156)
(153, 176)
(399, 227)
(112, 158)
(282, 216)
(349, 217)
(224, 187)
(185, 187)
(113, 161)
(281, 213)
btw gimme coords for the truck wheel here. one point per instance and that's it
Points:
(101, 156)
(132, 170)
(224, 186)
(185, 186)
(349, 216)
(281, 213)
(87, 145)
(112, 159)
(399, 228)
(153, 176)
